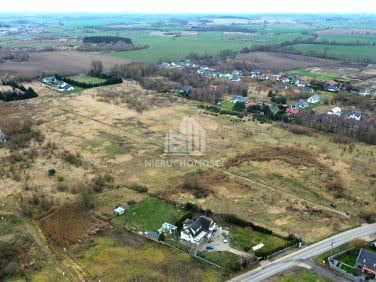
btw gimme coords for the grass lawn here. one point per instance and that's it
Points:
(349, 259)
(349, 269)
(148, 215)
(87, 79)
(300, 275)
(246, 237)
(227, 105)
(225, 259)
(319, 260)
(133, 260)
(309, 74)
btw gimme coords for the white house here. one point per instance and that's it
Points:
(314, 99)
(335, 111)
(197, 230)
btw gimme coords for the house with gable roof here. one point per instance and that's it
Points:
(197, 230)
(314, 99)
(366, 261)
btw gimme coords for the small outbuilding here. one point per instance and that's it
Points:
(119, 210)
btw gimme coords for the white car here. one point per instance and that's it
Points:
(225, 240)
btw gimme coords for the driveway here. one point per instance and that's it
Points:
(217, 242)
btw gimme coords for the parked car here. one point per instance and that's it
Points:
(333, 205)
(225, 240)
(210, 247)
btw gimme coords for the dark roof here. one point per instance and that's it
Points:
(199, 224)
(366, 258)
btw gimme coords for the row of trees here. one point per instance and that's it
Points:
(18, 92)
(106, 39)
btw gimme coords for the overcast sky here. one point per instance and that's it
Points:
(192, 6)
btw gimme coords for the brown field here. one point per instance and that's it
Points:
(285, 62)
(70, 62)
(274, 178)
(69, 225)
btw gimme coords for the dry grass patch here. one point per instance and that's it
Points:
(69, 225)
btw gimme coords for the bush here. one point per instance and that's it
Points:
(61, 187)
(51, 172)
(138, 188)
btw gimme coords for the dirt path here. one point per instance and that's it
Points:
(70, 269)
(248, 180)
(6, 237)
(239, 253)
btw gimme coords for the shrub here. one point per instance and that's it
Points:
(60, 178)
(51, 172)
(138, 188)
(62, 187)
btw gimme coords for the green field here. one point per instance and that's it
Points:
(225, 259)
(120, 259)
(356, 53)
(241, 237)
(148, 215)
(309, 74)
(87, 79)
(302, 275)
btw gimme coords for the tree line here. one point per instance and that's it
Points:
(106, 39)
(18, 92)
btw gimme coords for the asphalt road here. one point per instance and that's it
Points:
(298, 257)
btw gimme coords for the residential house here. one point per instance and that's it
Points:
(292, 111)
(185, 90)
(188, 64)
(300, 84)
(293, 79)
(299, 105)
(168, 228)
(204, 69)
(308, 89)
(165, 65)
(227, 75)
(119, 210)
(284, 79)
(363, 92)
(249, 104)
(282, 86)
(3, 137)
(255, 73)
(238, 99)
(235, 78)
(217, 74)
(49, 79)
(335, 111)
(236, 72)
(276, 75)
(63, 86)
(366, 261)
(198, 229)
(314, 99)
(331, 88)
(353, 115)
(264, 76)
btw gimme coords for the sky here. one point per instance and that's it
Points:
(193, 6)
